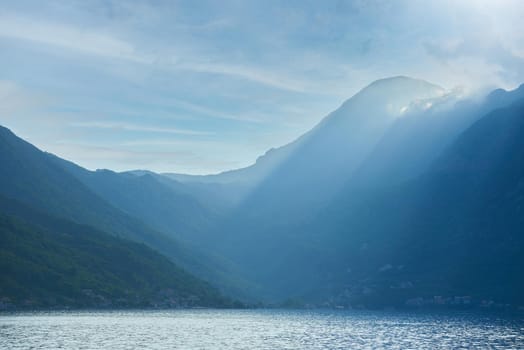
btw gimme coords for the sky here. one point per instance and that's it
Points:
(201, 86)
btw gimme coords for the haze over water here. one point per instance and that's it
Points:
(258, 329)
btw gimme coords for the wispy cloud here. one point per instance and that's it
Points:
(118, 126)
(81, 40)
(231, 79)
(253, 74)
(178, 57)
(89, 41)
(209, 112)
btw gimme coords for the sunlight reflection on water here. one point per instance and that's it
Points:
(257, 329)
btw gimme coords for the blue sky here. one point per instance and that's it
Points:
(205, 86)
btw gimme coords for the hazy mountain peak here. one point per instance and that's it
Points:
(399, 80)
(501, 97)
(355, 125)
(381, 102)
(393, 95)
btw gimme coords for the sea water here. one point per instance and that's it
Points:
(259, 329)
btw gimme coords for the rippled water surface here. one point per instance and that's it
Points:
(257, 329)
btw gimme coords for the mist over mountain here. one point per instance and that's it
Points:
(322, 159)
(454, 231)
(315, 167)
(63, 190)
(338, 143)
(147, 197)
(313, 239)
(405, 193)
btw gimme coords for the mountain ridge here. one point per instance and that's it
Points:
(396, 196)
(39, 179)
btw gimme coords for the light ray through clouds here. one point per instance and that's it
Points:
(228, 79)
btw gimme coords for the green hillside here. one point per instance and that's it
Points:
(57, 263)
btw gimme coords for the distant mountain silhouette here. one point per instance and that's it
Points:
(456, 230)
(312, 169)
(313, 239)
(337, 144)
(54, 186)
(162, 204)
(407, 195)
